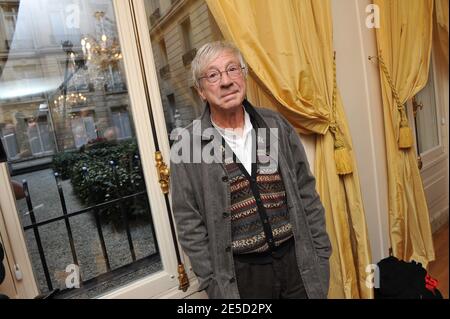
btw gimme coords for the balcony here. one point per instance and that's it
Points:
(189, 56)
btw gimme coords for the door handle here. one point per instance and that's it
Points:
(163, 171)
(417, 106)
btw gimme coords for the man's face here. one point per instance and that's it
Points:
(227, 93)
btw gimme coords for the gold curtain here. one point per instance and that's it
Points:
(404, 44)
(288, 46)
(441, 9)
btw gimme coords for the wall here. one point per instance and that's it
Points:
(358, 82)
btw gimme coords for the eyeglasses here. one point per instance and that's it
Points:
(233, 71)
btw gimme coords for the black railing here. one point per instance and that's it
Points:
(97, 211)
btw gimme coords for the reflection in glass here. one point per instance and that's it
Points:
(177, 30)
(67, 128)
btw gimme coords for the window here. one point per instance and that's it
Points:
(187, 34)
(39, 135)
(187, 26)
(163, 48)
(10, 20)
(57, 23)
(61, 30)
(83, 129)
(114, 81)
(93, 217)
(10, 141)
(121, 123)
(427, 122)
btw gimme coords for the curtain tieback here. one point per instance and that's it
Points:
(405, 139)
(342, 157)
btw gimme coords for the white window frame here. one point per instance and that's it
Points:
(164, 283)
(437, 152)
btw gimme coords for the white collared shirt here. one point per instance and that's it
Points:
(241, 145)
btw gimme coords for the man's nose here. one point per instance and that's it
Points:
(225, 79)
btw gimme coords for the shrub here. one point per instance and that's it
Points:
(100, 174)
(62, 162)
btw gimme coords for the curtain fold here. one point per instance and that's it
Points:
(441, 9)
(404, 43)
(288, 46)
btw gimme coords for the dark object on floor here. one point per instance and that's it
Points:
(405, 280)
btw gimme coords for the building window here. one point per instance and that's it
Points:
(83, 128)
(163, 48)
(39, 136)
(60, 30)
(9, 141)
(164, 70)
(114, 81)
(121, 122)
(186, 32)
(9, 20)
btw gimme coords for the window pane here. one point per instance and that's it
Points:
(64, 108)
(177, 30)
(426, 119)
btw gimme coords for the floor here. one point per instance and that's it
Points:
(439, 268)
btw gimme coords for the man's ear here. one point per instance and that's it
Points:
(200, 92)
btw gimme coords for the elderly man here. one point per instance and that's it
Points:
(247, 215)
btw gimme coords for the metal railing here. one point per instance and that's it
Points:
(97, 210)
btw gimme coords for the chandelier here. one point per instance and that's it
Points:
(104, 50)
(71, 100)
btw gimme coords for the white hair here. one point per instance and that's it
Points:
(209, 52)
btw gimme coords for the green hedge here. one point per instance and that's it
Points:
(96, 180)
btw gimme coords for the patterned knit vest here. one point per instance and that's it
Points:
(247, 220)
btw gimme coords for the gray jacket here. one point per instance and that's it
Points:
(201, 207)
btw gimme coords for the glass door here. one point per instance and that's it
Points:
(85, 213)
(427, 114)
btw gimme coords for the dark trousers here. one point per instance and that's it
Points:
(278, 279)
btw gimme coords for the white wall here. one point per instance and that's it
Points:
(358, 82)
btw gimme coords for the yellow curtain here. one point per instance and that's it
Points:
(441, 9)
(404, 44)
(288, 46)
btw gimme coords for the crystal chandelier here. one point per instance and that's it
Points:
(71, 100)
(103, 51)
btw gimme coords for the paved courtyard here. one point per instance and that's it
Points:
(55, 240)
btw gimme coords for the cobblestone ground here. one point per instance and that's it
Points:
(55, 240)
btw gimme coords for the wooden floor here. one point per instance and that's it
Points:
(439, 268)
